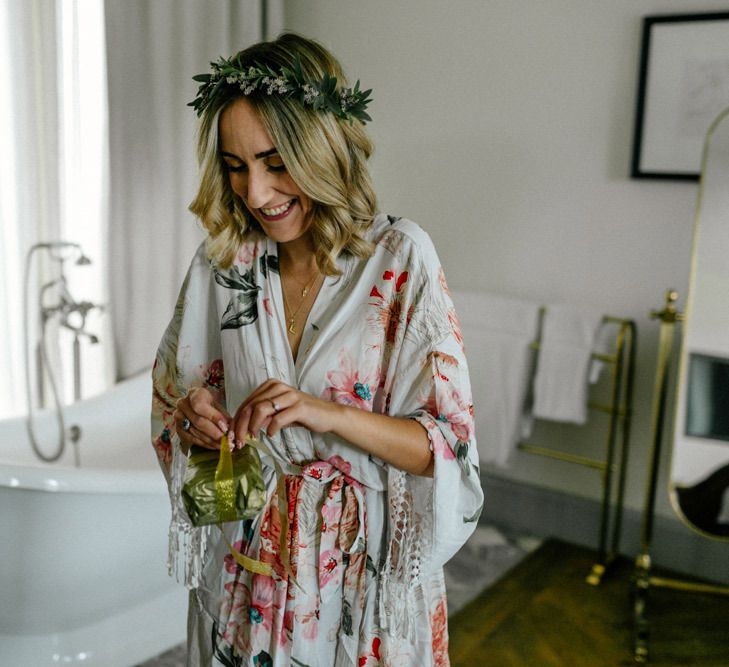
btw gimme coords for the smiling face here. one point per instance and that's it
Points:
(258, 175)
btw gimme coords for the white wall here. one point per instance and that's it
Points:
(504, 127)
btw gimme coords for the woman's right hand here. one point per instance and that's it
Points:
(209, 420)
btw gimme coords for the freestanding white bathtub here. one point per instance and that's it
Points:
(83, 577)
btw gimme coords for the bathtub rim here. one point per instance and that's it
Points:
(139, 474)
(48, 479)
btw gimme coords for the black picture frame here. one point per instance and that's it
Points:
(683, 85)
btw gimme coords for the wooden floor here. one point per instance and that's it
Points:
(543, 614)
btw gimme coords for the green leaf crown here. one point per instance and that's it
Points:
(321, 95)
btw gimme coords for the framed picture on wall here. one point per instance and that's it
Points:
(683, 86)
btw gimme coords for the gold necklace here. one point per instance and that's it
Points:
(304, 293)
(308, 286)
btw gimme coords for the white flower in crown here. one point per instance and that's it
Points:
(277, 85)
(345, 99)
(310, 93)
(280, 84)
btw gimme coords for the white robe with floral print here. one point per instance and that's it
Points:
(367, 542)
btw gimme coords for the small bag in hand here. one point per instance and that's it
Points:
(223, 486)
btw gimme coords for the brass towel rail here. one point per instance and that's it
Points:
(612, 467)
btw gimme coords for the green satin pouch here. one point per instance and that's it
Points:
(223, 486)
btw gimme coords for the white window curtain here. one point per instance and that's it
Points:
(115, 177)
(153, 50)
(52, 183)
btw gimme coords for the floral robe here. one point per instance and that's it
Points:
(366, 541)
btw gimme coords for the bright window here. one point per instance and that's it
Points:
(53, 180)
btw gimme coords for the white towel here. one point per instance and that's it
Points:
(604, 344)
(561, 382)
(497, 333)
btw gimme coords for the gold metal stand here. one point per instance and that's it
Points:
(642, 578)
(619, 411)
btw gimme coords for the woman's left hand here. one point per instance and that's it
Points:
(274, 405)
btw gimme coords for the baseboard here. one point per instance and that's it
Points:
(548, 513)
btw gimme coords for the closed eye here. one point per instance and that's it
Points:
(276, 168)
(271, 158)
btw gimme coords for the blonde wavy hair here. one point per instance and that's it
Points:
(325, 156)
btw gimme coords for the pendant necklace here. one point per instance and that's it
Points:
(304, 293)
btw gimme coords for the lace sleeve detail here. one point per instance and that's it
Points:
(189, 355)
(429, 519)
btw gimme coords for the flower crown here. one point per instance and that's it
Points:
(322, 95)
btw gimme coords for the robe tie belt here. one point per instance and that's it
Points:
(343, 536)
(343, 525)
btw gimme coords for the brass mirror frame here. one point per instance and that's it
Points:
(643, 579)
(681, 389)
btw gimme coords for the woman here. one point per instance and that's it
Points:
(326, 330)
